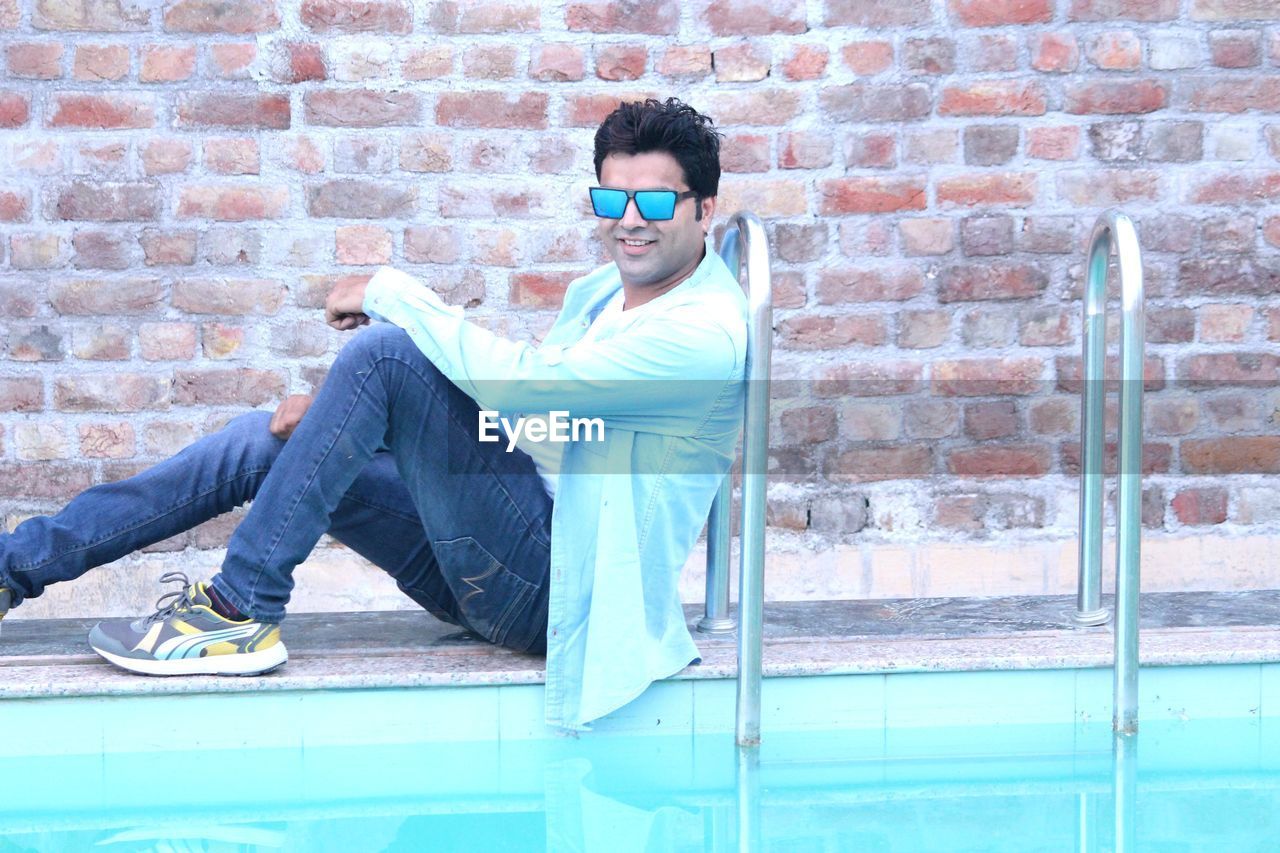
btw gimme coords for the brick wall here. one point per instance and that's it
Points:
(181, 182)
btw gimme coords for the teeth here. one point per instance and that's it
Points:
(637, 242)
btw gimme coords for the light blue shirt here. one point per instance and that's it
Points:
(628, 509)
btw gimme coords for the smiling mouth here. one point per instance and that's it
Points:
(628, 242)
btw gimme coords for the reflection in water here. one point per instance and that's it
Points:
(1014, 788)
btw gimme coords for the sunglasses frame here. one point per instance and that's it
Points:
(631, 197)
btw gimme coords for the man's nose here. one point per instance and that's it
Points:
(631, 217)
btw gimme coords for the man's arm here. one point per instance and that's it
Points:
(654, 367)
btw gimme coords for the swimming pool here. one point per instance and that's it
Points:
(911, 764)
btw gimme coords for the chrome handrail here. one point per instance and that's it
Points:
(745, 228)
(1113, 229)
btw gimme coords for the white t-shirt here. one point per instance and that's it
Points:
(546, 454)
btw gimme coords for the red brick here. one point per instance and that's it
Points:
(538, 290)
(1130, 10)
(1020, 460)
(238, 156)
(360, 200)
(656, 17)
(1070, 371)
(90, 15)
(1170, 325)
(484, 16)
(1214, 95)
(101, 112)
(809, 332)
(867, 102)
(361, 16)
(15, 205)
(106, 440)
(36, 251)
(363, 244)
(101, 62)
(111, 392)
(1046, 327)
(15, 109)
(160, 248)
(228, 296)
(1225, 323)
(1235, 455)
(996, 13)
(838, 286)
(741, 63)
(49, 481)
(106, 297)
(430, 63)
(1053, 143)
(867, 379)
(1097, 187)
(991, 280)
(1200, 506)
(985, 189)
(985, 377)
(685, 62)
(994, 98)
(35, 60)
(807, 425)
(232, 204)
(923, 329)
(224, 109)
(990, 52)
(868, 57)
(870, 150)
(1055, 416)
(1214, 370)
(1176, 416)
(806, 62)
(306, 63)
(901, 462)
(871, 195)
(755, 17)
(167, 64)
(558, 63)
(1236, 188)
(236, 17)
(757, 106)
(9, 20)
(243, 386)
(992, 419)
(621, 61)
(102, 250)
(799, 243)
(878, 13)
(232, 61)
(492, 110)
(21, 393)
(218, 341)
(1115, 97)
(804, 150)
(1156, 458)
(463, 201)
(165, 156)
(1236, 48)
(108, 202)
(1234, 10)
(489, 62)
(1055, 52)
(929, 56)
(1115, 51)
(361, 108)
(431, 244)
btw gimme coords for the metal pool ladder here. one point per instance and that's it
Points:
(1113, 229)
(745, 228)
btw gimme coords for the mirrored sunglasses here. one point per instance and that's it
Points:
(653, 205)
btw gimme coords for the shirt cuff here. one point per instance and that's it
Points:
(388, 289)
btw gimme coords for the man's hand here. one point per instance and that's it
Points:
(289, 414)
(342, 309)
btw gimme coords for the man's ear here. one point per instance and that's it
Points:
(706, 210)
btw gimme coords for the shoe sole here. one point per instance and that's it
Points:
(247, 663)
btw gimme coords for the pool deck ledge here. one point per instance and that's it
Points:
(46, 658)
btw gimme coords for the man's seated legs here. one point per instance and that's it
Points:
(485, 512)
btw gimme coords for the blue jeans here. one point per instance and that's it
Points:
(387, 460)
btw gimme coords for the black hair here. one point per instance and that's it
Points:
(636, 127)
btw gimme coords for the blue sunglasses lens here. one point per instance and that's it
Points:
(656, 204)
(608, 204)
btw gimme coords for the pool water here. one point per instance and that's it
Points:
(1211, 784)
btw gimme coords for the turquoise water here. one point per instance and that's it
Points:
(1197, 785)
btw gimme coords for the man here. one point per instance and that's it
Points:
(572, 548)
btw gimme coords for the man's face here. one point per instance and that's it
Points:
(648, 253)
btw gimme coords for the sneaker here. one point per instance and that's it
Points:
(186, 636)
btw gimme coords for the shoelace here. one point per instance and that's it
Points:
(173, 601)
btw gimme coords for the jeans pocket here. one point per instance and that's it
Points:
(491, 599)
